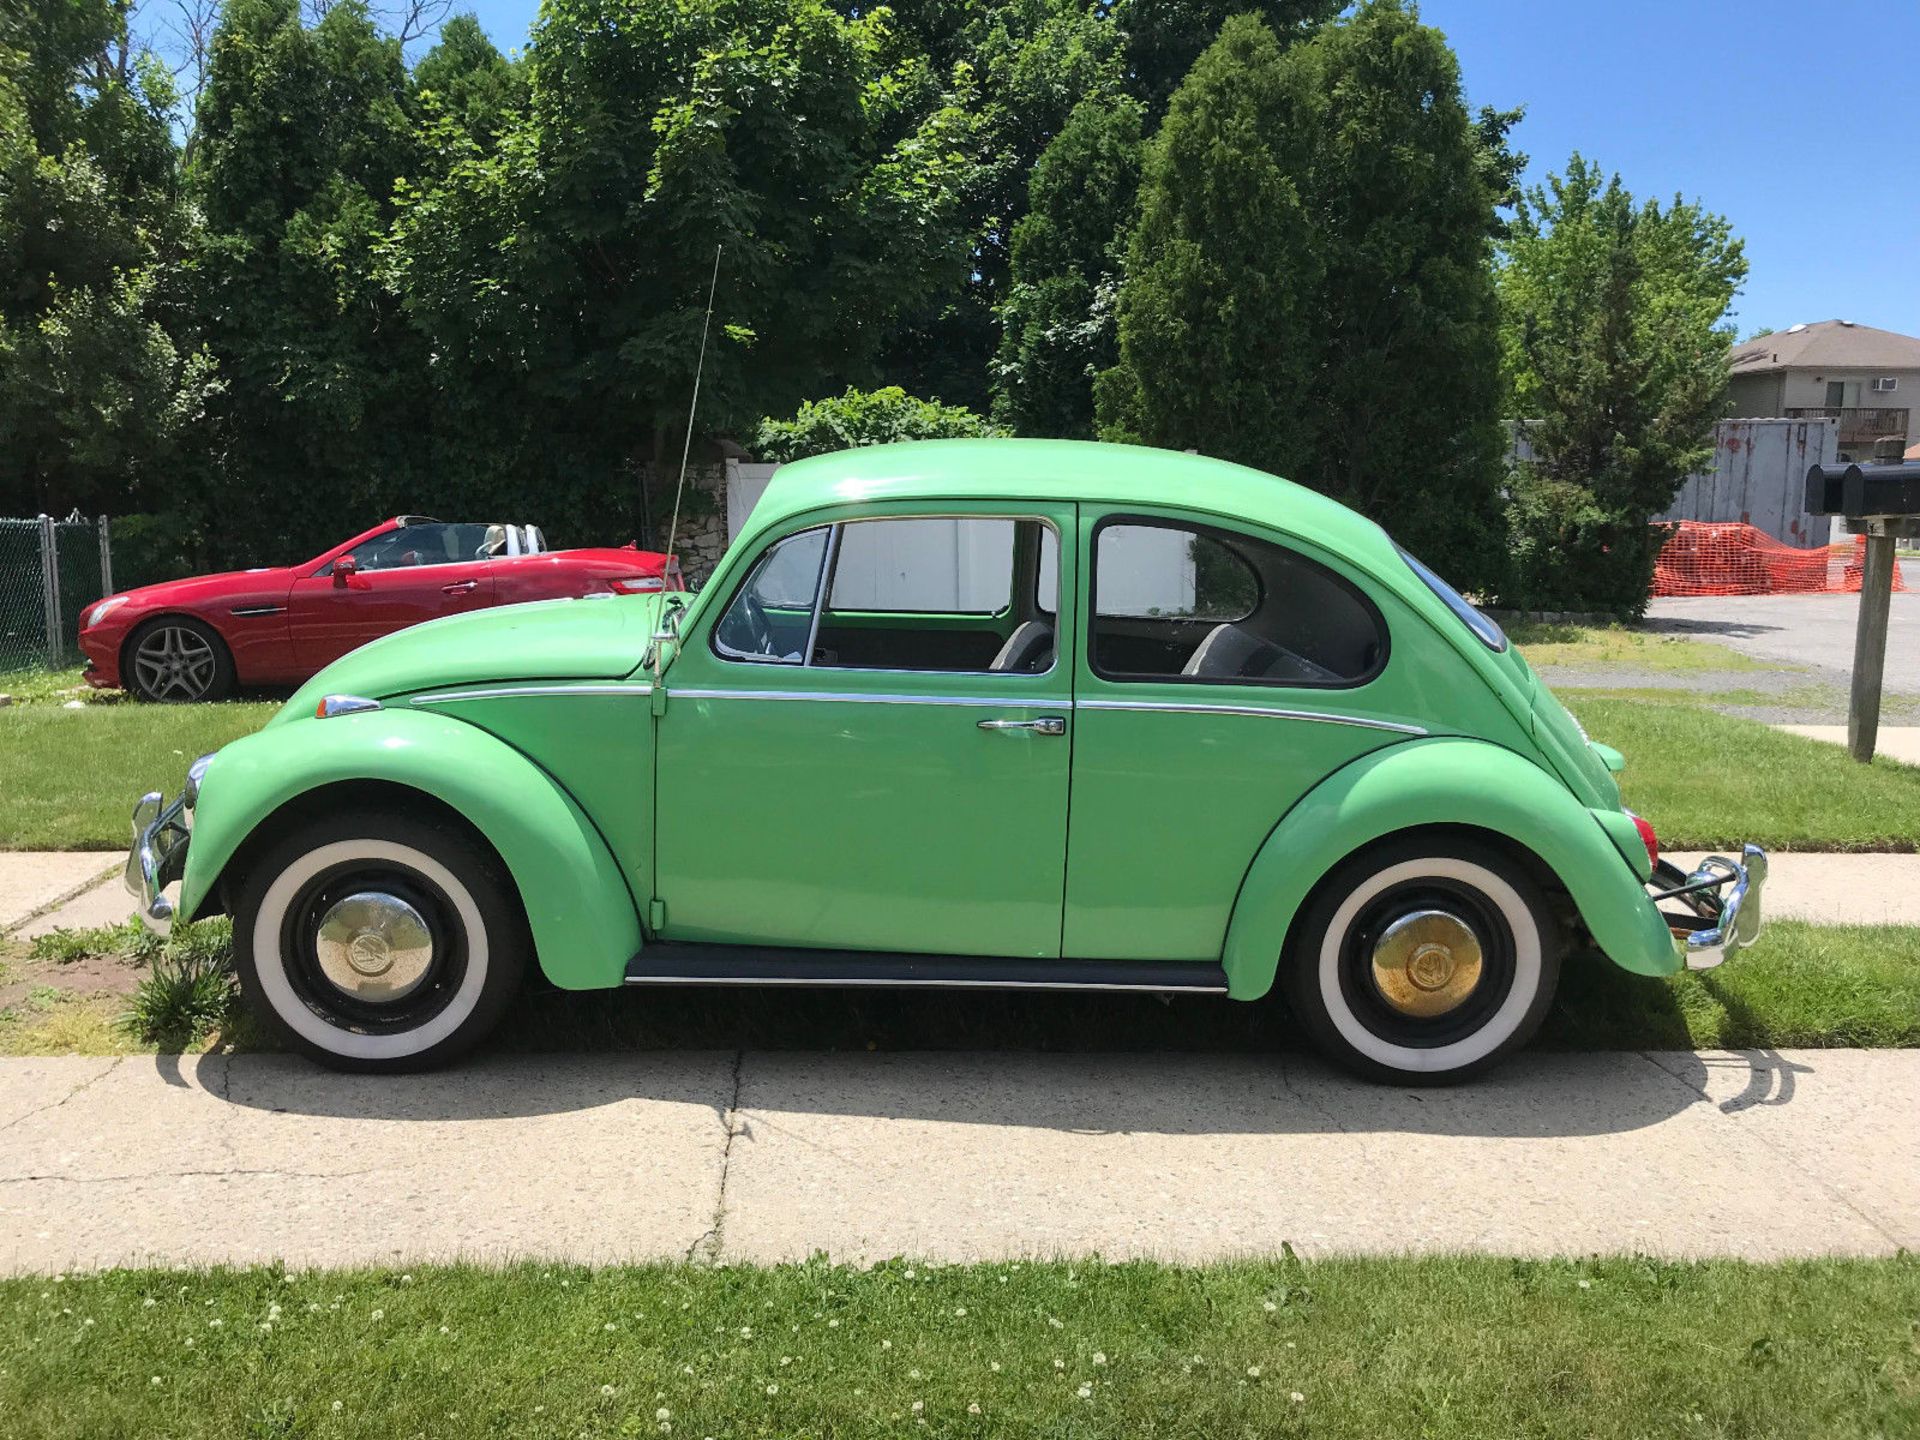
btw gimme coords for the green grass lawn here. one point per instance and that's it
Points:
(70, 777)
(1707, 780)
(1591, 647)
(1444, 1347)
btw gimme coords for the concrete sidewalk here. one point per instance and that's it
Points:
(737, 1157)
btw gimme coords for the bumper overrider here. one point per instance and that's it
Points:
(161, 830)
(1713, 912)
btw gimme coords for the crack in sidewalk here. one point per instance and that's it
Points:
(187, 1175)
(1794, 1162)
(88, 1083)
(706, 1249)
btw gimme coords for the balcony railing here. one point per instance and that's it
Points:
(1859, 424)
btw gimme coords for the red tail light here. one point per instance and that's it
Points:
(636, 585)
(1647, 838)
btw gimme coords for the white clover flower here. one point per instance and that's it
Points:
(273, 1312)
(215, 1323)
(913, 1374)
(1058, 1363)
(1053, 1322)
(961, 1313)
(833, 1324)
(146, 1304)
(154, 1381)
(773, 1389)
(1268, 1306)
(994, 1365)
(886, 1344)
(445, 1331)
(379, 1314)
(336, 1407)
(88, 1321)
(909, 1274)
(786, 1359)
(746, 1332)
(1099, 1357)
(918, 1406)
(608, 1326)
(1586, 1284)
(189, 1342)
(1253, 1372)
(607, 1390)
(1297, 1398)
(663, 1413)
(1085, 1392)
(974, 1408)
(406, 1279)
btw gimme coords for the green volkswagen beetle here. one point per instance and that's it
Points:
(1022, 714)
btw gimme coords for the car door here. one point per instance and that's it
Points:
(866, 744)
(1223, 674)
(402, 577)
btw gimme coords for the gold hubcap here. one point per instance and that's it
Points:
(1427, 963)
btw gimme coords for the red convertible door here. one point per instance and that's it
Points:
(394, 585)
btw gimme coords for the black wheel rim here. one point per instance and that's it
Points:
(1382, 1018)
(300, 947)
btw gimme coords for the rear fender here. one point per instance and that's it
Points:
(1441, 782)
(585, 924)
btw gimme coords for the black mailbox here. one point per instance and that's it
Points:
(1864, 490)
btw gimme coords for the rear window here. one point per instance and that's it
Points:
(1491, 635)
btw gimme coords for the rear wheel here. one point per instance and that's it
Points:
(379, 942)
(1424, 961)
(177, 660)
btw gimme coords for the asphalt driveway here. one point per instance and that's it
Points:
(1811, 631)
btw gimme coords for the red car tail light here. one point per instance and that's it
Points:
(1647, 838)
(636, 585)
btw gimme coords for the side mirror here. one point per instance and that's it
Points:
(344, 569)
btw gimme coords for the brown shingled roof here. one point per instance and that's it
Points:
(1827, 344)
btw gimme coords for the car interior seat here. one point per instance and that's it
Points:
(1028, 651)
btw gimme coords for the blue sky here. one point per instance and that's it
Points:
(1795, 121)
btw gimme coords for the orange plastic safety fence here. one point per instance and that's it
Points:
(1702, 558)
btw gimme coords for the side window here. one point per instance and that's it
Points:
(433, 544)
(1194, 603)
(772, 612)
(959, 594)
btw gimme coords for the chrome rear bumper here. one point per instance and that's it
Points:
(1722, 905)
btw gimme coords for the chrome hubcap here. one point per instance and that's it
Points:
(374, 946)
(1427, 963)
(174, 663)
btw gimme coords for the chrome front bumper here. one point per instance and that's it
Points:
(161, 831)
(1721, 905)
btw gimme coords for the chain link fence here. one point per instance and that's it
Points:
(50, 571)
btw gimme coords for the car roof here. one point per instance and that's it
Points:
(1017, 471)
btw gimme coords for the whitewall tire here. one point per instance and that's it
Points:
(379, 942)
(1424, 961)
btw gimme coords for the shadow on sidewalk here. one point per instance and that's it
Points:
(1079, 1063)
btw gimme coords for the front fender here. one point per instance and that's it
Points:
(1441, 781)
(584, 921)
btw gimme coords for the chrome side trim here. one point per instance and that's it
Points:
(246, 612)
(1181, 707)
(857, 698)
(838, 983)
(514, 692)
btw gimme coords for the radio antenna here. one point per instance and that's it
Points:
(687, 448)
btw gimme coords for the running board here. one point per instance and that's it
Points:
(680, 963)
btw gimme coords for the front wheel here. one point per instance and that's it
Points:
(1424, 961)
(379, 942)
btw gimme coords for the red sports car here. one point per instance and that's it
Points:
(196, 639)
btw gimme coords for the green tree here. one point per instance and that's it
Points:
(467, 77)
(1308, 286)
(1057, 330)
(98, 386)
(1615, 338)
(863, 417)
(1164, 37)
(563, 277)
(301, 135)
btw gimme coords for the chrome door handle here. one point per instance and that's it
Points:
(459, 587)
(1040, 725)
